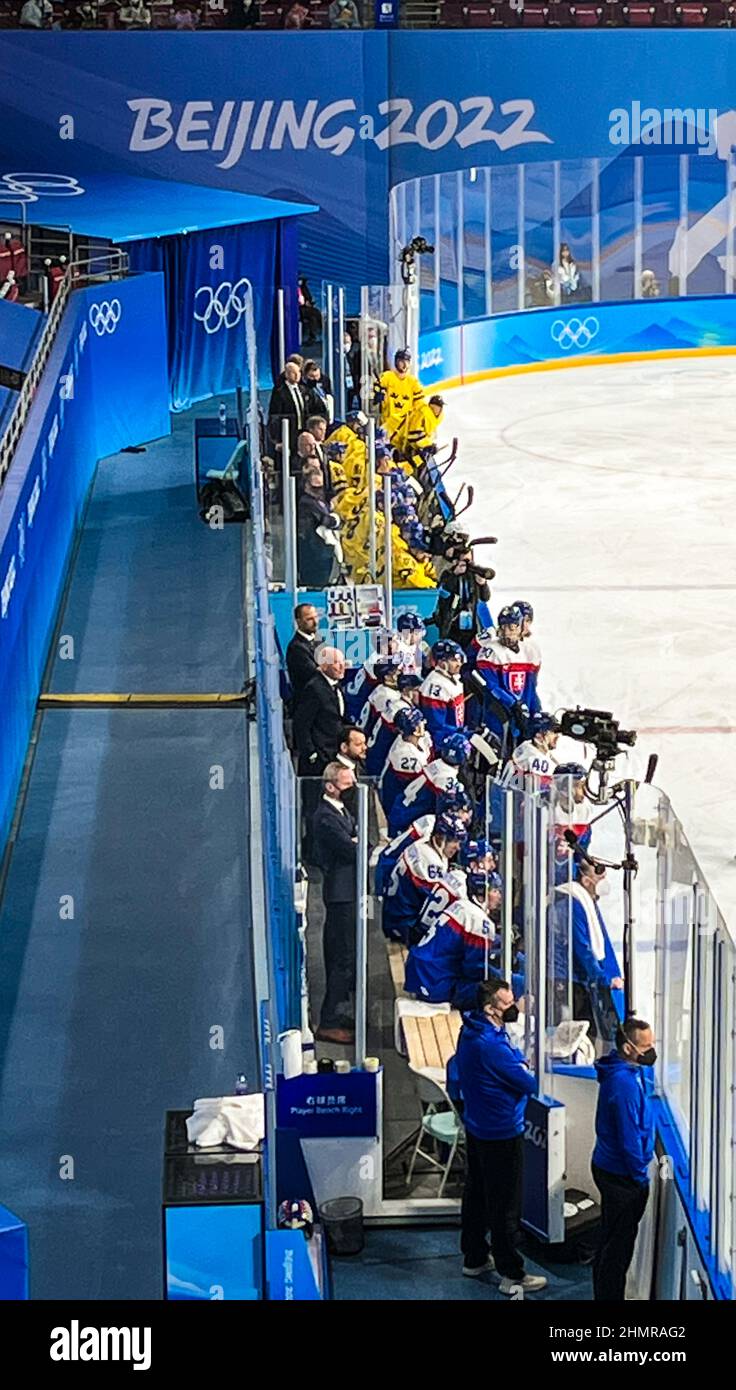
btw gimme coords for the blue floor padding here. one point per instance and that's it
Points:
(407, 1263)
(155, 601)
(105, 1019)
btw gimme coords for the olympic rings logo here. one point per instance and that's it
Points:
(224, 308)
(28, 188)
(105, 316)
(574, 332)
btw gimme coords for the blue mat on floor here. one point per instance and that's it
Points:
(155, 602)
(415, 1264)
(105, 1019)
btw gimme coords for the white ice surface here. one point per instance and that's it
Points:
(612, 491)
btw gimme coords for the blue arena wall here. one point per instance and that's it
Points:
(539, 339)
(105, 386)
(372, 110)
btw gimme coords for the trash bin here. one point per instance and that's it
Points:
(342, 1218)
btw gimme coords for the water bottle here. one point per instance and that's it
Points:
(241, 1085)
(222, 414)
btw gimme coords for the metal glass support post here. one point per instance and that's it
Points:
(556, 196)
(488, 244)
(532, 981)
(288, 487)
(361, 928)
(388, 556)
(437, 252)
(341, 357)
(507, 916)
(372, 496)
(595, 226)
(684, 163)
(638, 221)
(281, 326)
(629, 922)
(541, 828)
(728, 272)
(460, 216)
(520, 235)
(659, 1022)
(329, 336)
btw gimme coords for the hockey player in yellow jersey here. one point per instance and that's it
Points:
(355, 459)
(401, 392)
(418, 429)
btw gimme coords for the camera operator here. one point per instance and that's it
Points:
(463, 585)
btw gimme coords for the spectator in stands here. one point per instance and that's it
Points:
(297, 17)
(135, 15)
(309, 315)
(87, 17)
(9, 289)
(318, 533)
(185, 18)
(335, 849)
(36, 14)
(301, 660)
(317, 390)
(496, 1083)
(649, 285)
(623, 1153)
(319, 714)
(351, 358)
(287, 403)
(343, 14)
(244, 14)
(568, 275)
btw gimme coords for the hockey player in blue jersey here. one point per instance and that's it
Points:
(532, 764)
(573, 812)
(510, 678)
(408, 754)
(584, 953)
(377, 719)
(435, 777)
(365, 679)
(529, 642)
(477, 856)
(456, 800)
(442, 698)
(413, 650)
(421, 868)
(455, 952)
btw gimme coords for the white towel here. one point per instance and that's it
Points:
(235, 1120)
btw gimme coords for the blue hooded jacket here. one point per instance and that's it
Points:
(624, 1123)
(494, 1080)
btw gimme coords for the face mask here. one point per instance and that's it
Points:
(647, 1058)
(510, 1014)
(603, 888)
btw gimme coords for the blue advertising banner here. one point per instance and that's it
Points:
(538, 338)
(339, 118)
(111, 349)
(328, 1105)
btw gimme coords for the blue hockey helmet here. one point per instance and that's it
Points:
(409, 681)
(335, 448)
(525, 608)
(479, 883)
(356, 418)
(409, 622)
(510, 614)
(403, 511)
(455, 749)
(473, 850)
(408, 720)
(386, 666)
(574, 770)
(450, 825)
(445, 650)
(416, 535)
(454, 798)
(543, 724)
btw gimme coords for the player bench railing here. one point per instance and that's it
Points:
(110, 265)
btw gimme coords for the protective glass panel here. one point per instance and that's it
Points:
(660, 219)
(707, 224)
(539, 253)
(617, 248)
(429, 264)
(505, 239)
(574, 271)
(474, 237)
(448, 247)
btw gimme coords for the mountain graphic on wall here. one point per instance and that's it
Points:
(513, 353)
(658, 338)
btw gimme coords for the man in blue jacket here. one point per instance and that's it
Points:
(495, 1083)
(624, 1148)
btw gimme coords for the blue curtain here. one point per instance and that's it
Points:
(203, 274)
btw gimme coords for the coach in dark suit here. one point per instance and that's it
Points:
(319, 715)
(336, 850)
(288, 402)
(301, 662)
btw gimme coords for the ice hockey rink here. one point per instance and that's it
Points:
(612, 490)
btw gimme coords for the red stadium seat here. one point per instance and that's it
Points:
(534, 16)
(482, 17)
(639, 16)
(693, 16)
(586, 16)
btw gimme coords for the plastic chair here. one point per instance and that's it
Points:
(439, 1126)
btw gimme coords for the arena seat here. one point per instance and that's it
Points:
(586, 16)
(639, 16)
(692, 16)
(482, 17)
(534, 16)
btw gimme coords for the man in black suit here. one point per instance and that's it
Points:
(336, 852)
(301, 662)
(319, 714)
(287, 403)
(351, 754)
